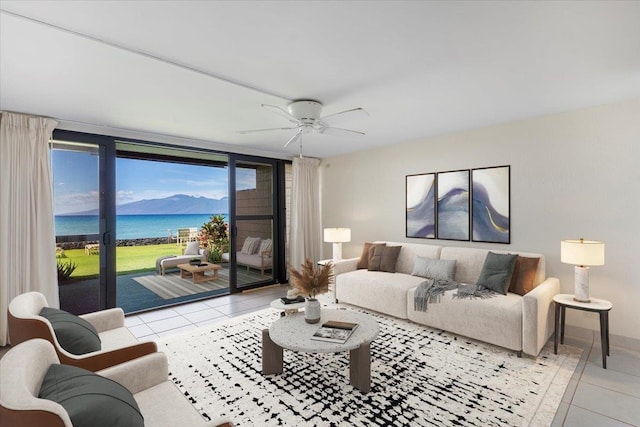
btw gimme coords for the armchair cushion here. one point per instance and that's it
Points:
(74, 334)
(90, 399)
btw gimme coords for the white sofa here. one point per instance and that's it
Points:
(520, 323)
(260, 257)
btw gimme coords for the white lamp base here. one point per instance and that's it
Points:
(337, 251)
(581, 280)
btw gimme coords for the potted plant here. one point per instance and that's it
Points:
(214, 237)
(310, 282)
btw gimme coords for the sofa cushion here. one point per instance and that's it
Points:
(376, 290)
(265, 246)
(89, 399)
(524, 275)
(497, 271)
(434, 268)
(75, 334)
(193, 248)
(384, 258)
(250, 245)
(367, 252)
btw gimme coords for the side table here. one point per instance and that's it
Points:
(286, 308)
(596, 305)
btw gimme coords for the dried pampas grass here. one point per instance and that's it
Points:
(311, 281)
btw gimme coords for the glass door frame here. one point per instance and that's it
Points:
(277, 216)
(107, 210)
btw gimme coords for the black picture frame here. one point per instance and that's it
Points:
(491, 204)
(420, 205)
(453, 220)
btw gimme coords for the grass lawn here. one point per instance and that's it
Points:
(129, 259)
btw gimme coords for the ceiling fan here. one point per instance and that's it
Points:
(304, 116)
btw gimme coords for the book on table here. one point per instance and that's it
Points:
(334, 331)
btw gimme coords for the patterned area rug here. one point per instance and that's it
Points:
(172, 286)
(419, 377)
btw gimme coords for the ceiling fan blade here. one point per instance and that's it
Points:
(354, 113)
(294, 138)
(262, 130)
(281, 112)
(328, 130)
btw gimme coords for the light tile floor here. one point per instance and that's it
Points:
(594, 396)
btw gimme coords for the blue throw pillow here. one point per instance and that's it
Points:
(74, 334)
(89, 399)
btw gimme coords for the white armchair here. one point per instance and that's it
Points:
(23, 369)
(118, 344)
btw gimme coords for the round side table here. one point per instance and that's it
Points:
(286, 308)
(564, 301)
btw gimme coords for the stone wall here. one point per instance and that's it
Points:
(125, 242)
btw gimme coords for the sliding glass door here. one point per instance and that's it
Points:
(254, 231)
(82, 238)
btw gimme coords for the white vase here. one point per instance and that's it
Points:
(312, 311)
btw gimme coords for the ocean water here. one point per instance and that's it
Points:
(131, 226)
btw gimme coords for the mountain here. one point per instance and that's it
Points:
(173, 205)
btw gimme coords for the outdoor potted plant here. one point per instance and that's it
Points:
(214, 237)
(310, 282)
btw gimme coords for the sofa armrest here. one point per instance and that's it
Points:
(538, 315)
(105, 320)
(345, 265)
(141, 373)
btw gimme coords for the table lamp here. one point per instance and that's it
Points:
(581, 253)
(337, 236)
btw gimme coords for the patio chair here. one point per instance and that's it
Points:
(117, 343)
(25, 366)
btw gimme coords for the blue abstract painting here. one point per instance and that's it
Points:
(453, 205)
(421, 208)
(491, 204)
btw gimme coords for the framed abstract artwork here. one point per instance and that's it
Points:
(421, 205)
(452, 207)
(490, 190)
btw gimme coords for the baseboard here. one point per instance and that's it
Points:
(594, 336)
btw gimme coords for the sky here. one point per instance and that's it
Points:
(75, 180)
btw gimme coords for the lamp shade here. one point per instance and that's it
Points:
(337, 235)
(582, 252)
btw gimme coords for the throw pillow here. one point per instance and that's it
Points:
(74, 334)
(193, 248)
(250, 245)
(265, 246)
(497, 271)
(89, 399)
(434, 268)
(524, 274)
(367, 252)
(384, 258)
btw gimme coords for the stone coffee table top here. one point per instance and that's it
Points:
(293, 333)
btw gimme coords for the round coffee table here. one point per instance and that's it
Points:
(293, 333)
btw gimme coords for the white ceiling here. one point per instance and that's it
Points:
(200, 70)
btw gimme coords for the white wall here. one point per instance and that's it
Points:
(573, 175)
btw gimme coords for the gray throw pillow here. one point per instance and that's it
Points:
(384, 258)
(497, 271)
(74, 334)
(89, 399)
(430, 268)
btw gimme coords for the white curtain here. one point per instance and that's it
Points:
(305, 234)
(27, 235)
